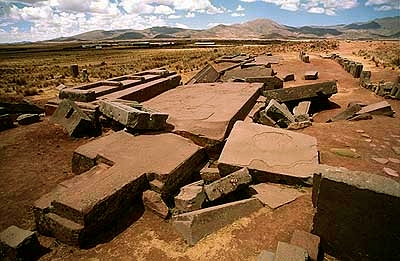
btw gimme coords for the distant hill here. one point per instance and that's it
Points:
(388, 27)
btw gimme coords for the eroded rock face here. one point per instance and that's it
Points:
(270, 154)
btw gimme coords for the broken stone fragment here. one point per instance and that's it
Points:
(348, 113)
(380, 160)
(308, 241)
(18, 244)
(190, 198)
(227, 184)
(302, 108)
(361, 117)
(311, 75)
(154, 202)
(299, 125)
(274, 195)
(345, 152)
(209, 174)
(26, 119)
(379, 108)
(288, 77)
(195, 225)
(279, 113)
(391, 172)
(286, 252)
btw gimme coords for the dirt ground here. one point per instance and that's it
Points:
(35, 158)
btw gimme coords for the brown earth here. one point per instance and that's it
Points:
(35, 158)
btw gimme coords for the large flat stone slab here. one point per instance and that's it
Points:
(270, 154)
(274, 195)
(206, 112)
(195, 225)
(113, 171)
(357, 214)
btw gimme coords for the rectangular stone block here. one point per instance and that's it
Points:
(134, 118)
(311, 75)
(308, 92)
(357, 214)
(18, 244)
(302, 108)
(73, 119)
(307, 241)
(227, 184)
(270, 154)
(279, 113)
(288, 252)
(206, 75)
(379, 108)
(269, 82)
(274, 195)
(195, 225)
(191, 197)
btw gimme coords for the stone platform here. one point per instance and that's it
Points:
(206, 112)
(270, 154)
(113, 172)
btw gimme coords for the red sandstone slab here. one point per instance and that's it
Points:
(271, 154)
(206, 112)
(131, 157)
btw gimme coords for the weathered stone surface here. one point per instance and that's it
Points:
(302, 108)
(266, 256)
(311, 75)
(279, 113)
(270, 154)
(209, 174)
(26, 119)
(394, 160)
(195, 225)
(396, 150)
(18, 244)
(70, 116)
(274, 195)
(380, 160)
(269, 82)
(190, 198)
(154, 202)
(199, 111)
(243, 73)
(265, 119)
(365, 78)
(391, 172)
(309, 92)
(288, 252)
(348, 113)
(206, 75)
(299, 125)
(307, 241)
(357, 214)
(102, 193)
(227, 184)
(380, 108)
(361, 117)
(134, 118)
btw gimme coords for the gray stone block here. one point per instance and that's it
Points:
(357, 214)
(195, 225)
(348, 113)
(190, 198)
(18, 244)
(379, 108)
(72, 118)
(227, 184)
(279, 113)
(26, 119)
(311, 75)
(288, 252)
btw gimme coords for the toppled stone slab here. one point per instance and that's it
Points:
(289, 252)
(134, 118)
(301, 109)
(269, 82)
(190, 198)
(112, 174)
(311, 75)
(279, 113)
(206, 75)
(70, 116)
(195, 225)
(357, 214)
(200, 112)
(227, 184)
(347, 114)
(308, 92)
(155, 203)
(308, 241)
(18, 244)
(26, 119)
(379, 108)
(270, 154)
(274, 195)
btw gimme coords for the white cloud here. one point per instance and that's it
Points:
(190, 15)
(163, 9)
(236, 14)
(384, 5)
(174, 16)
(209, 25)
(240, 8)
(180, 25)
(316, 10)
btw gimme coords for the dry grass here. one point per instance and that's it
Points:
(386, 55)
(28, 72)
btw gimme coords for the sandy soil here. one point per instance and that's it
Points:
(35, 158)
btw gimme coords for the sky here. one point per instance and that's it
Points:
(36, 20)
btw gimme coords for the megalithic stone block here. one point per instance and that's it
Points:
(195, 225)
(73, 119)
(311, 75)
(18, 244)
(134, 118)
(357, 214)
(207, 74)
(279, 113)
(379, 108)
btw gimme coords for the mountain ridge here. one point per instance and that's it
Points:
(261, 28)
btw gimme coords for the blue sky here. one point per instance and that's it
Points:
(34, 20)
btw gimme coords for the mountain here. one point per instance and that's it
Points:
(383, 28)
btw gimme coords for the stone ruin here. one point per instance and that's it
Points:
(226, 166)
